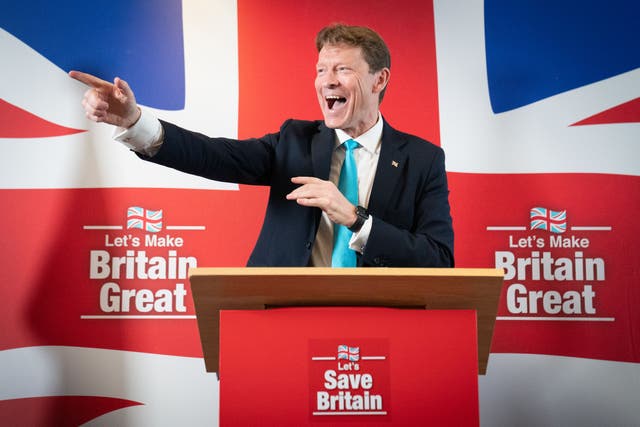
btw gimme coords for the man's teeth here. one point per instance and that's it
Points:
(332, 99)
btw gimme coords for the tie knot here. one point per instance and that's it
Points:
(350, 144)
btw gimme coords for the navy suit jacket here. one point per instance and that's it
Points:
(409, 199)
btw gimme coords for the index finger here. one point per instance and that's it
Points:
(304, 179)
(88, 79)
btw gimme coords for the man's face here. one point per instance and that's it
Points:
(347, 92)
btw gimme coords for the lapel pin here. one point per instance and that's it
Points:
(394, 163)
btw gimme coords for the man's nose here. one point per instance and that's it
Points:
(330, 80)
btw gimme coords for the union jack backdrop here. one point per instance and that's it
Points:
(535, 106)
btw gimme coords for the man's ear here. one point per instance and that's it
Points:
(382, 79)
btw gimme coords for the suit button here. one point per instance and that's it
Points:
(376, 260)
(308, 245)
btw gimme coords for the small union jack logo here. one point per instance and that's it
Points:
(144, 219)
(352, 354)
(546, 219)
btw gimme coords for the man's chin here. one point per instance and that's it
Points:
(333, 123)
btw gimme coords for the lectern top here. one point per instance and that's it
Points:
(326, 271)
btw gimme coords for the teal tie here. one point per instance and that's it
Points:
(348, 185)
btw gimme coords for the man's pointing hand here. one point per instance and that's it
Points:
(112, 103)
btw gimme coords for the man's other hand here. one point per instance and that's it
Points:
(326, 196)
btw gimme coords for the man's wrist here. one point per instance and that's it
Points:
(144, 137)
(361, 216)
(136, 120)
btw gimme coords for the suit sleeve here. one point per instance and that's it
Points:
(428, 242)
(221, 159)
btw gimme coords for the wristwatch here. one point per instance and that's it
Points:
(361, 216)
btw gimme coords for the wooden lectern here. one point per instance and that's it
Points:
(335, 308)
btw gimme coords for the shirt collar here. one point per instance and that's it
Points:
(370, 140)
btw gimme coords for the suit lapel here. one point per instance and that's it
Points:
(322, 146)
(390, 166)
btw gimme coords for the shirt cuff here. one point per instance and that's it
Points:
(359, 240)
(144, 137)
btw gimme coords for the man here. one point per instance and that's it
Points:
(396, 209)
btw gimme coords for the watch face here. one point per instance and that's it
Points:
(361, 217)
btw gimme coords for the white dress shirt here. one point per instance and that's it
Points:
(366, 157)
(146, 137)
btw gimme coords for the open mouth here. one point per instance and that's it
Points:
(333, 99)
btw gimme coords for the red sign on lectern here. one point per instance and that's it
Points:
(348, 366)
(349, 377)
